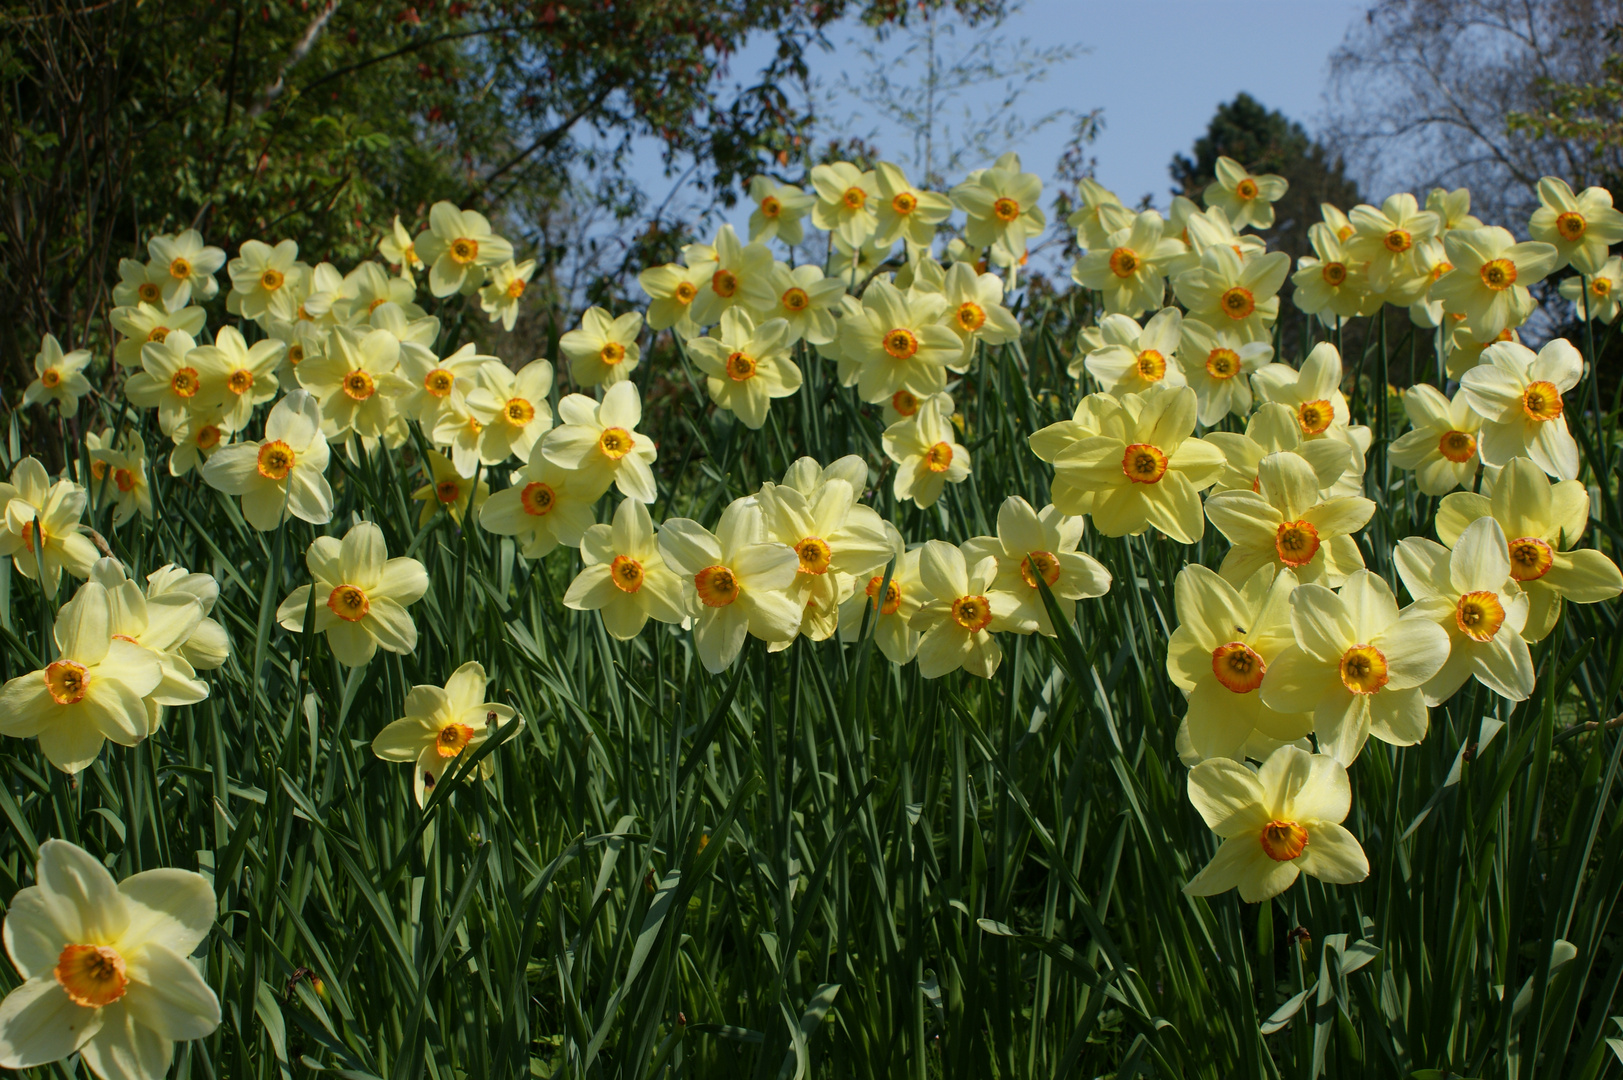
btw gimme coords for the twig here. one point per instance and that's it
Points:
(300, 49)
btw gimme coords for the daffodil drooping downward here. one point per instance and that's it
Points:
(1287, 524)
(1276, 823)
(40, 526)
(960, 613)
(625, 576)
(442, 724)
(739, 582)
(359, 598)
(90, 693)
(1542, 524)
(1469, 593)
(1357, 666)
(1145, 468)
(458, 247)
(1227, 639)
(746, 366)
(1247, 200)
(1518, 396)
(281, 474)
(1441, 446)
(600, 443)
(397, 250)
(105, 967)
(1030, 547)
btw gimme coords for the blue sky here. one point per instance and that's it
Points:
(1157, 70)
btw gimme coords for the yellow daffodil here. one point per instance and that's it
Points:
(735, 266)
(835, 538)
(195, 438)
(975, 312)
(348, 380)
(142, 324)
(845, 202)
(281, 474)
(897, 341)
(398, 251)
(1441, 446)
(58, 376)
(778, 211)
(904, 212)
(1330, 283)
(168, 382)
(105, 966)
(41, 525)
(499, 296)
(1133, 359)
(459, 247)
(1004, 207)
(1144, 466)
(422, 385)
(604, 350)
(1357, 666)
(186, 267)
(1386, 240)
(139, 283)
(233, 378)
(927, 454)
(449, 489)
(441, 724)
(1469, 593)
(739, 582)
(208, 645)
(801, 296)
(1030, 546)
(360, 596)
(1582, 228)
(545, 506)
(746, 366)
(1490, 279)
(1247, 200)
(671, 290)
(1287, 524)
(1453, 208)
(1463, 351)
(1542, 523)
(1274, 429)
(1219, 656)
(601, 444)
(1234, 294)
(1599, 295)
(1100, 215)
(1276, 823)
(512, 409)
(266, 281)
(1129, 268)
(1518, 396)
(1217, 365)
(624, 576)
(118, 472)
(1313, 394)
(887, 614)
(961, 610)
(93, 691)
(163, 623)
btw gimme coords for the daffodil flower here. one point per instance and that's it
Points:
(1357, 666)
(1313, 393)
(888, 613)
(1227, 638)
(281, 474)
(1239, 295)
(1247, 200)
(58, 376)
(499, 296)
(799, 295)
(836, 540)
(397, 250)
(195, 438)
(927, 454)
(1453, 208)
(1031, 547)
(458, 247)
(208, 645)
(440, 725)
(360, 596)
(1286, 523)
(960, 613)
(1490, 279)
(545, 506)
(1385, 239)
(448, 488)
(1129, 269)
(896, 341)
(1276, 823)
(142, 324)
(513, 410)
(845, 198)
(624, 576)
(422, 385)
(1518, 396)
(168, 382)
(1542, 523)
(347, 382)
(162, 623)
(1145, 466)
(778, 211)
(1582, 228)
(1330, 283)
(740, 582)
(735, 265)
(601, 444)
(1003, 205)
(671, 290)
(106, 967)
(266, 281)
(233, 378)
(975, 312)
(604, 350)
(1218, 366)
(41, 525)
(1100, 215)
(90, 693)
(138, 283)
(904, 212)
(1469, 593)
(1599, 295)
(120, 472)
(746, 366)
(187, 267)
(1273, 429)
(1463, 351)
(1441, 446)
(1134, 359)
